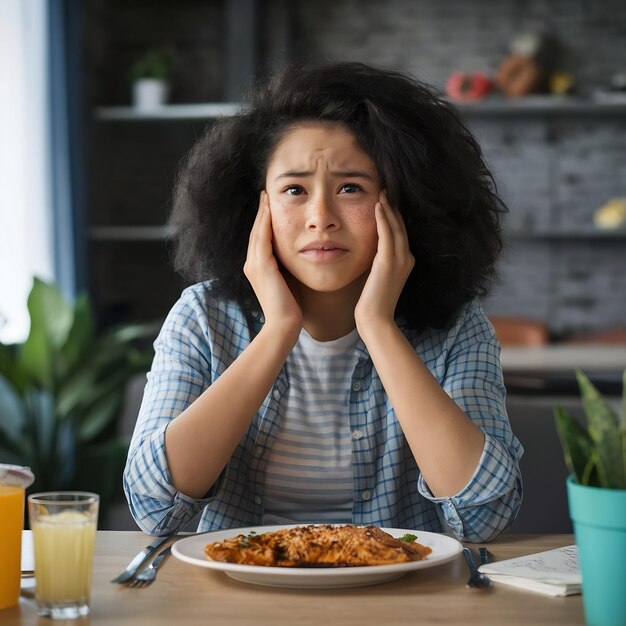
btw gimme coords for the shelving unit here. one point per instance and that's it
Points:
(528, 106)
(551, 106)
(131, 275)
(582, 234)
(200, 111)
(128, 233)
(146, 237)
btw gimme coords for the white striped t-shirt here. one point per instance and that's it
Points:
(309, 468)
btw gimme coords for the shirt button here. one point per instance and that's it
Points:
(276, 394)
(357, 434)
(366, 495)
(257, 499)
(356, 386)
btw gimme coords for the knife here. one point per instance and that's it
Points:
(140, 559)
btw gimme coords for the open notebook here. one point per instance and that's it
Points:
(554, 572)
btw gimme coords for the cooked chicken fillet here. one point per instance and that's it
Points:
(317, 546)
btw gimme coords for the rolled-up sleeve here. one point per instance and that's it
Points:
(179, 374)
(473, 379)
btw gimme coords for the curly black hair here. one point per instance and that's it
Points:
(429, 163)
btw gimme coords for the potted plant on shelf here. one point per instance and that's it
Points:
(596, 489)
(150, 76)
(61, 392)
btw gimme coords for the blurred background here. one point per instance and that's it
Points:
(100, 100)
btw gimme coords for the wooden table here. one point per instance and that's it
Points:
(186, 595)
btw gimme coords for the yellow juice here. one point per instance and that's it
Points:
(11, 524)
(64, 546)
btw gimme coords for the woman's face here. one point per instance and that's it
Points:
(322, 190)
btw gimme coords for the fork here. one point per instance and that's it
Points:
(149, 574)
(134, 566)
(476, 579)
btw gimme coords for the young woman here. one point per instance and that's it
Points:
(332, 363)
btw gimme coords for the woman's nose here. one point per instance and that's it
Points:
(321, 214)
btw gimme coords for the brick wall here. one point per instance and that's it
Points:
(553, 172)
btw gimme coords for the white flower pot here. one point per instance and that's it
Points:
(149, 93)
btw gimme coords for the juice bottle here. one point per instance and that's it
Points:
(13, 482)
(11, 524)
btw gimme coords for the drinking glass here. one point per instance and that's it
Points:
(64, 534)
(13, 482)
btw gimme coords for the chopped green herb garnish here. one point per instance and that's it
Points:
(244, 543)
(408, 538)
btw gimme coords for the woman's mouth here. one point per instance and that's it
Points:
(326, 251)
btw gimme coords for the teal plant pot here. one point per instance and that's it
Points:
(599, 517)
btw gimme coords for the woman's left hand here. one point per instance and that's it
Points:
(390, 269)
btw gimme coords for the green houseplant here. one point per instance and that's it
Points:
(61, 392)
(153, 64)
(596, 489)
(150, 75)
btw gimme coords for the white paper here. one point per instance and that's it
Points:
(534, 585)
(28, 553)
(555, 572)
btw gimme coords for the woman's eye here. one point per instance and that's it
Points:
(293, 190)
(349, 188)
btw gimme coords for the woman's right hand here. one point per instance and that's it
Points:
(277, 301)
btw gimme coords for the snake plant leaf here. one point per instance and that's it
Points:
(604, 429)
(575, 441)
(590, 475)
(623, 425)
(50, 323)
(624, 405)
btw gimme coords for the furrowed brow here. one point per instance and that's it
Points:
(346, 174)
(294, 174)
(353, 174)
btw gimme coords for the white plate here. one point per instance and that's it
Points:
(191, 550)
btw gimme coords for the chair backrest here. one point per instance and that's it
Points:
(544, 509)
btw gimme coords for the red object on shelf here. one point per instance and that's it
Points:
(468, 86)
(520, 331)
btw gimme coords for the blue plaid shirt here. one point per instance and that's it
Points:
(202, 336)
